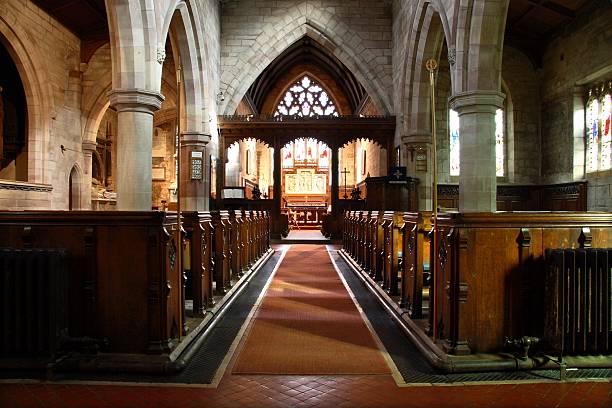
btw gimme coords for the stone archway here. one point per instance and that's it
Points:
(312, 22)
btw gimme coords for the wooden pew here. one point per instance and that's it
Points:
(123, 275)
(200, 233)
(490, 269)
(235, 222)
(221, 248)
(416, 252)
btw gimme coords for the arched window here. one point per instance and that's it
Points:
(306, 98)
(453, 125)
(598, 132)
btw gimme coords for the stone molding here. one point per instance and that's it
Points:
(24, 186)
(89, 146)
(194, 139)
(480, 101)
(135, 100)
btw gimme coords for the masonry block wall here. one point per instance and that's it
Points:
(579, 57)
(253, 33)
(522, 118)
(47, 56)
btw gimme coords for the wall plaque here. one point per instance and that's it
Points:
(196, 168)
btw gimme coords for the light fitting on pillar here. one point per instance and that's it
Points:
(220, 97)
(64, 148)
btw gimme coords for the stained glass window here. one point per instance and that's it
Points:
(453, 124)
(499, 143)
(598, 131)
(306, 98)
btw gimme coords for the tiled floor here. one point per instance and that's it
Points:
(306, 391)
(286, 391)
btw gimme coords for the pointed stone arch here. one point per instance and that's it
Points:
(430, 28)
(321, 26)
(481, 24)
(180, 25)
(38, 100)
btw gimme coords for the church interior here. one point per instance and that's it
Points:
(305, 203)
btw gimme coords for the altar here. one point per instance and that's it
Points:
(306, 214)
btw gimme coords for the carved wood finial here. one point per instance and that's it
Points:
(586, 238)
(524, 238)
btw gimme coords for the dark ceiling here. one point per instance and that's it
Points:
(85, 18)
(532, 24)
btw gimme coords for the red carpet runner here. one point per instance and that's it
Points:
(308, 323)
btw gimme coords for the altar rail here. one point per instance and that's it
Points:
(123, 278)
(490, 269)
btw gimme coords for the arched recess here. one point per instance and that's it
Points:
(250, 162)
(75, 182)
(253, 62)
(38, 102)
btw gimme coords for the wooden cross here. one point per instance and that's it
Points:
(345, 172)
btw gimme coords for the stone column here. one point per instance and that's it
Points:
(89, 147)
(194, 191)
(334, 181)
(477, 179)
(135, 109)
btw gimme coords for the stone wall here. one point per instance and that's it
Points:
(522, 118)
(581, 55)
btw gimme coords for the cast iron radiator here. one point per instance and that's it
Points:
(33, 301)
(578, 297)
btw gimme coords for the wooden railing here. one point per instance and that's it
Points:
(489, 281)
(124, 286)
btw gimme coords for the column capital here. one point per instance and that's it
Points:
(194, 139)
(135, 100)
(88, 146)
(476, 101)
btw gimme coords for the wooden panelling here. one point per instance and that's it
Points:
(556, 197)
(489, 278)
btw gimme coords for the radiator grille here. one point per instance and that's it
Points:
(579, 300)
(33, 286)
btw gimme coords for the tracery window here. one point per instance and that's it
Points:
(453, 125)
(599, 133)
(306, 98)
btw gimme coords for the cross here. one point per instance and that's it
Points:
(345, 172)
